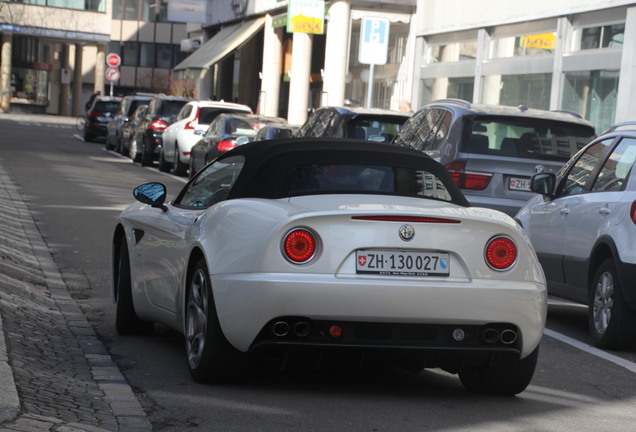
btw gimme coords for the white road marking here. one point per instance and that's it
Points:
(630, 366)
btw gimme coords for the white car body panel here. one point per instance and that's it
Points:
(253, 283)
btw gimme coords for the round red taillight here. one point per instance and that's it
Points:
(299, 245)
(501, 253)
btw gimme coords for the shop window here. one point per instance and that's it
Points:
(29, 86)
(130, 53)
(147, 55)
(531, 90)
(452, 52)
(602, 37)
(593, 94)
(524, 45)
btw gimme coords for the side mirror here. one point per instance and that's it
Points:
(543, 183)
(153, 194)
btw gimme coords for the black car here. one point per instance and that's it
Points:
(98, 115)
(146, 142)
(123, 115)
(370, 124)
(128, 132)
(493, 150)
(226, 132)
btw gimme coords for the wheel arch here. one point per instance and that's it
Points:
(603, 248)
(119, 236)
(195, 255)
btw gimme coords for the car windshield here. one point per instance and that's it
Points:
(354, 178)
(524, 138)
(374, 129)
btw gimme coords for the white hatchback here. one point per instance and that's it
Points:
(583, 228)
(190, 124)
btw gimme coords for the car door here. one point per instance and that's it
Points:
(168, 235)
(596, 210)
(549, 222)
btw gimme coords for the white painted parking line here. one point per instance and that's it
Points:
(630, 366)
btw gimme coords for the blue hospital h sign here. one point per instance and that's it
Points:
(374, 40)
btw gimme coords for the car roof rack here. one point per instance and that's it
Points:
(628, 125)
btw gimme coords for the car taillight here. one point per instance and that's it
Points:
(412, 219)
(468, 179)
(299, 245)
(500, 253)
(632, 212)
(95, 114)
(158, 125)
(190, 125)
(226, 145)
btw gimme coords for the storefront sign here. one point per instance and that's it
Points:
(306, 16)
(546, 41)
(187, 11)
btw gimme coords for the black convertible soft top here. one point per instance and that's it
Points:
(267, 163)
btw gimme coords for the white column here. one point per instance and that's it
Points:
(564, 30)
(272, 69)
(625, 108)
(100, 68)
(77, 80)
(483, 44)
(5, 72)
(299, 82)
(336, 52)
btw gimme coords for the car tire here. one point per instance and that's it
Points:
(179, 167)
(211, 358)
(134, 150)
(126, 320)
(146, 156)
(88, 137)
(164, 166)
(108, 145)
(504, 373)
(117, 146)
(191, 171)
(612, 324)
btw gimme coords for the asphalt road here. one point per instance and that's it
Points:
(75, 191)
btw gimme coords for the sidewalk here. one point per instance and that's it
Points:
(55, 375)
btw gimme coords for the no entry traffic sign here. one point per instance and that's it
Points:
(113, 60)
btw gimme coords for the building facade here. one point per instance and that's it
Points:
(249, 57)
(42, 42)
(576, 55)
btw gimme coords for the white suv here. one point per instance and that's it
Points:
(583, 228)
(190, 124)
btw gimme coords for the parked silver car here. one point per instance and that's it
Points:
(491, 151)
(582, 228)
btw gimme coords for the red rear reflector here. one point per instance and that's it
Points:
(468, 179)
(158, 125)
(335, 331)
(632, 212)
(413, 219)
(299, 246)
(226, 145)
(501, 253)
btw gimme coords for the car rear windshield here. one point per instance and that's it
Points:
(103, 106)
(524, 138)
(374, 129)
(171, 108)
(210, 113)
(353, 178)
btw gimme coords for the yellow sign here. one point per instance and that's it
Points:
(546, 41)
(306, 16)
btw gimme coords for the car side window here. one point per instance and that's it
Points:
(185, 112)
(613, 175)
(322, 123)
(212, 185)
(582, 169)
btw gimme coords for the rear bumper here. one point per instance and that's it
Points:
(247, 305)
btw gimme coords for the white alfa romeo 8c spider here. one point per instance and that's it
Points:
(327, 250)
